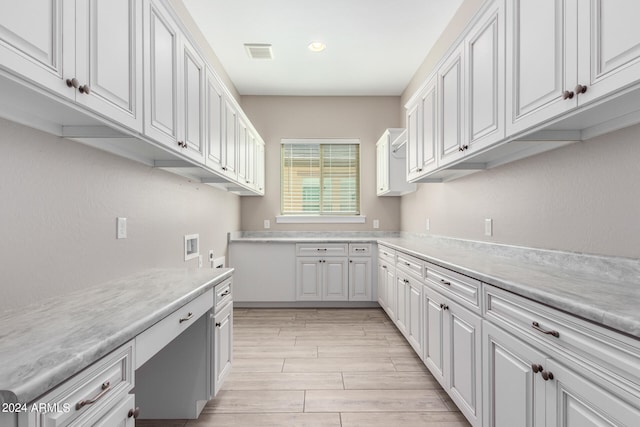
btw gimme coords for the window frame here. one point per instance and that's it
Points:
(315, 218)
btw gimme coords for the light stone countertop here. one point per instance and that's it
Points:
(44, 344)
(605, 290)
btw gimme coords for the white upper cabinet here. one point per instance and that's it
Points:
(451, 144)
(484, 80)
(591, 51)
(31, 44)
(422, 132)
(87, 51)
(608, 46)
(391, 165)
(541, 61)
(174, 81)
(109, 59)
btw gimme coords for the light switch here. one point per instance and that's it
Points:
(376, 223)
(121, 228)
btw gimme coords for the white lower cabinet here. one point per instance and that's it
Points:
(222, 346)
(452, 351)
(122, 415)
(546, 368)
(360, 283)
(322, 278)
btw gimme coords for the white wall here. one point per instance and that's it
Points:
(59, 203)
(582, 197)
(278, 117)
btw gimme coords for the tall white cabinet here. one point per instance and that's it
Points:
(87, 51)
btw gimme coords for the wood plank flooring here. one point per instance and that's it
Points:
(323, 368)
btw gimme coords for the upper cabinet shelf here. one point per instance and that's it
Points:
(508, 90)
(391, 164)
(78, 73)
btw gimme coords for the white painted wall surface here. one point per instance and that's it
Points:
(58, 206)
(365, 118)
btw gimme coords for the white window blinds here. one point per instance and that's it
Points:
(320, 178)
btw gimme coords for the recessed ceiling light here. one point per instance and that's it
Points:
(317, 46)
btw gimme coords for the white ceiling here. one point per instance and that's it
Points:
(373, 46)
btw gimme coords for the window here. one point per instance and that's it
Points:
(320, 177)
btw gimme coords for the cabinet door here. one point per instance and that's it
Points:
(401, 304)
(541, 65)
(222, 346)
(382, 285)
(243, 151)
(335, 279)
(192, 78)
(230, 140)
(464, 355)
(35, 43)
(575, 401)
(451, 106)
(214, 123)
(514, 396)
(434, 356)
(382, 165)
(392, 297)
(414, 316)
(484, 79)
(260, 160)
(308, 278)
(360, 285)
(414, 142)
(109, 59)
(608, 50)
(161, 75)
(429, 132)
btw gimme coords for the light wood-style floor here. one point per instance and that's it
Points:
(323, 368)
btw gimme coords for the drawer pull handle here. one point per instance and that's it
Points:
(322, 249)
(536, 326)
(106, 387)
(408, 264)
(384, 266)
(225, 293)
(536, 368)
(444, 282)
(188, 317)
(546, 375)
(133, 413)
(360, 249)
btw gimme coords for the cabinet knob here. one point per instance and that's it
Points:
(536, 368)
(580, 89)
(546, 375)
(133, 413)
(419, 169)
(73, 82)
(84, 89)
(218, 324)
(567, 95)
(444, 306)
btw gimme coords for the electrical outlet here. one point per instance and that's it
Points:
(488, 227)
(200, 261)
(427, 224)
(267, 223)
(376, 223)
(121, 228)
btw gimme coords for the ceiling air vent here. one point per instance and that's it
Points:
(259, 50)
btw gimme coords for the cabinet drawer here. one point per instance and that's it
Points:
(359, 249)
(90, 393)
(387, 254)
(223, 294)
(410, 264)
(157, 336)
(322, 249)
(459, 287)
(560, 331)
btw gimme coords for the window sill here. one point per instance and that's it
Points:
(320, 219)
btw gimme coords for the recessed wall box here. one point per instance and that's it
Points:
(191, 246)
